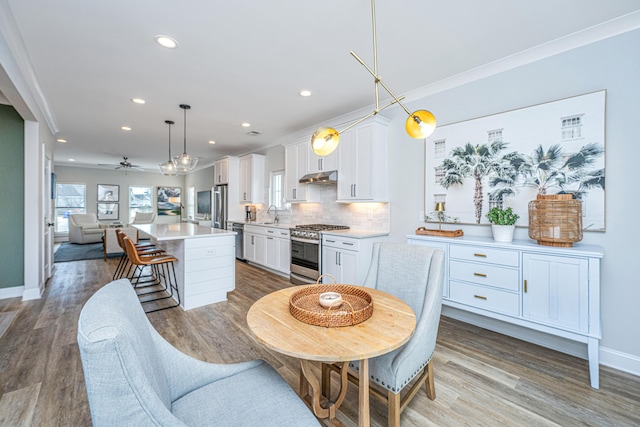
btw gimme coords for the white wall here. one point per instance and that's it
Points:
(92, 177)
(612, 64)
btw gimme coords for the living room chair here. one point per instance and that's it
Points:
(144, 218)
(415, 274)
(135, 377)
(84, 228)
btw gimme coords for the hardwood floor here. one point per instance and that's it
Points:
(482, 378)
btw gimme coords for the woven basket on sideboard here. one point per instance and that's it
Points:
(555, 220)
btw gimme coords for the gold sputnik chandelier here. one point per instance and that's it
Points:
(420, 124)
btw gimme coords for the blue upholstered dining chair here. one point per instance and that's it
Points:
(136, 378)
(415, 274)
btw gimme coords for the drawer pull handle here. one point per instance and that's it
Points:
(525, 286)
(480, 255)
(480, 274)
(480, 297)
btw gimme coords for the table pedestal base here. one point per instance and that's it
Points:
(319, 398)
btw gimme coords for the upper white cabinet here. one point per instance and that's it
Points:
(225, 170)
(316, 164)
(252, 178)
(295, 167)
(362, 162)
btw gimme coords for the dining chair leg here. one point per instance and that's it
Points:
(430, 382)
(393, 409)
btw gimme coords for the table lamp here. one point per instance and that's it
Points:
(440, 209)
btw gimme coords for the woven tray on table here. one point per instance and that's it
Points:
(357, 306)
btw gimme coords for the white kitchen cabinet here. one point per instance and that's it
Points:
(268, 247)
(316, 164)
(221, 171)
(295, 167)
(346, 258)
(362, 162)
(252, 178)
(541, 288)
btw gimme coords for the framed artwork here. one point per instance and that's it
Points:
(169, 201)
(507, 159)
(108, 193)
(108, 211)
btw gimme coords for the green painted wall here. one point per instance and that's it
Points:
(12, 200)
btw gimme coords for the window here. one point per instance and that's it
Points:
(276, 189)
(494, 135)
(440, 148)
(140, 200)
(191, 203)
(571, 127)
(70, 199)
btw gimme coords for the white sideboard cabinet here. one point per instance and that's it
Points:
(546, 289)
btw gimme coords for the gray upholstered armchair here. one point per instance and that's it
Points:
(134, 377)
(415, 274)
(84, 228)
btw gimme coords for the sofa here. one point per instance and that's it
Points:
(84, 228)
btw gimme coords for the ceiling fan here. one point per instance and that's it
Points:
(125, 164)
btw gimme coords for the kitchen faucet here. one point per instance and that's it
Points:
(276, 219)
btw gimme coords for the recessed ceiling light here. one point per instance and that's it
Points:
(166, 41)
(127, 128)
(246, 125)
(305, 93)
(253, 133)
(212, 142)
(138, 101)
(72, 160)
(62, 141)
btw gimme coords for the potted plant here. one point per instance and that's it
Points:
(503, 223)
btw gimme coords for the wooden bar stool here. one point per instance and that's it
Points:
(162, 270)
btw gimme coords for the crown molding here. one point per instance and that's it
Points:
(605, 30)
(17, 66)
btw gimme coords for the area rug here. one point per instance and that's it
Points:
(76, 252)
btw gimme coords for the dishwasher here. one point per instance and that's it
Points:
(238, 227)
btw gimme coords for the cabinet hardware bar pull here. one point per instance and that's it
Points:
(480, 274)
(480, 297)
(525, 286)
(347, 243)
(480, 255)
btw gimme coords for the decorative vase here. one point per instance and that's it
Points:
(502, 233)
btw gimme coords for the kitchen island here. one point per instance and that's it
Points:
(205, 270)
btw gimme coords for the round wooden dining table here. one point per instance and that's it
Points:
(390, 326)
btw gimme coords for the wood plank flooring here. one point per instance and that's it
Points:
(482, 378)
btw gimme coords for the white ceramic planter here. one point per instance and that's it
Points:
(502, 233)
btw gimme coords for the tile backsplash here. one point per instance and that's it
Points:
(361, 216)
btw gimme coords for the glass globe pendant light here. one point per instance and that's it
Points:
(184, 162)
(420, 124)
(168, 168)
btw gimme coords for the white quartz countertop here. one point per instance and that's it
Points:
(355, 233)
(180, 231)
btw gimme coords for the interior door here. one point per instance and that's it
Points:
(49, 217)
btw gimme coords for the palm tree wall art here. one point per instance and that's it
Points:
(507, 159)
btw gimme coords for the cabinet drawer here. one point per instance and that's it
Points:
(341, 242)
(483, 254)
(484, 298)
(485, 274)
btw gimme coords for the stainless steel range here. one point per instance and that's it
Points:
(306, 251)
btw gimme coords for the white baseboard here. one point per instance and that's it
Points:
(30, 294)
(13, 292)
(608, 357)
(618, 360)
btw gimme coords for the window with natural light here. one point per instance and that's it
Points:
(191, 203)
(140, 200)
(276, 189)
(70, 199)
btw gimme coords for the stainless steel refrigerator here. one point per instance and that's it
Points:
(219, 207)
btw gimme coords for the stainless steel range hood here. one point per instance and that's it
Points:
(329, 177)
